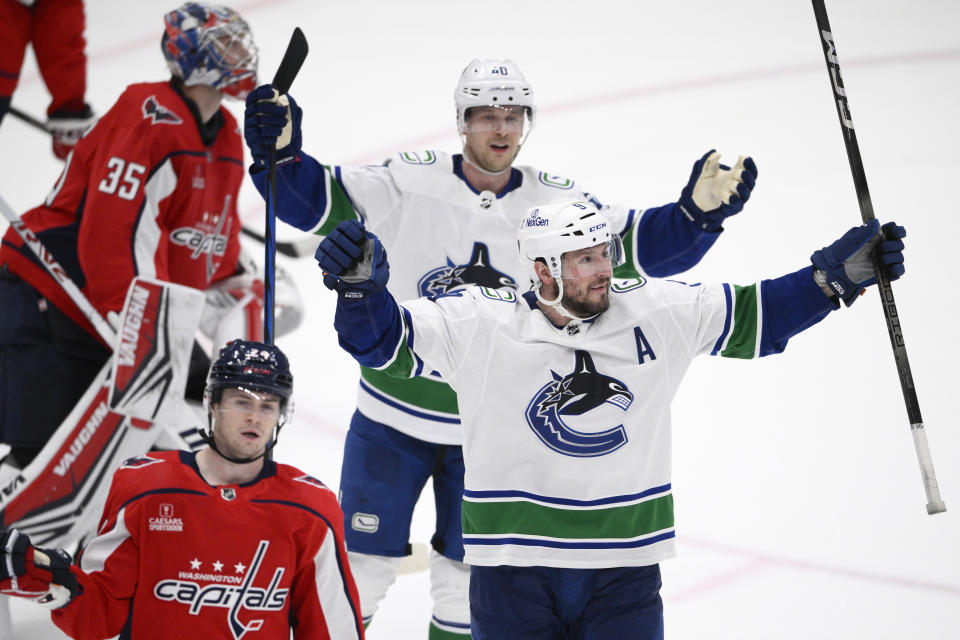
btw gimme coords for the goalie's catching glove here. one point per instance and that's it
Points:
(715, 191)
(846, 267)
(353, 261)
(41, 575)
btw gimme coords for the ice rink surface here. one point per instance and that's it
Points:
(799, 507)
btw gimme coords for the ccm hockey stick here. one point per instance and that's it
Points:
(289, 67)
(934, 503)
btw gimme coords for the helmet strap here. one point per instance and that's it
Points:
(556, 303)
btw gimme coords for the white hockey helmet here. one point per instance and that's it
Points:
(549, 231)
(492, 83)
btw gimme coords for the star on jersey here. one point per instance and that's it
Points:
(240, 567)
(195, 564)
(217, 565)
(578, 394)
(477, 270)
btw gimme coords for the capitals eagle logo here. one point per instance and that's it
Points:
(477, 270)
(158, 113)
(578, 394)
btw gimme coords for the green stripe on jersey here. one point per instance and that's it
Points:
(436, 633)
(420, 392)
(743, 337)
(628, 269)
(523, 517)
(340, 207)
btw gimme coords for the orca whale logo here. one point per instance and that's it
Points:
(453, 276)
(577, 394)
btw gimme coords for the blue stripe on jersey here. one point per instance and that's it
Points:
(726, 320)
(408, 321)
(337, 547)
(396, 405)
(556, 544)
(339, 179)
(629, 224)
(467, 493)
(447, 623)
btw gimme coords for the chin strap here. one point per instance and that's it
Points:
(573, 327)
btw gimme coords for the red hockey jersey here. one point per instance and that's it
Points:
(148, 191)
(178, 558)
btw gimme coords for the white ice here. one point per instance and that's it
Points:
(800, 510)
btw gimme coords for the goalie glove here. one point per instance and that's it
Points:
(715, 191)
(41, 575)
(271, 119)
(846, 267)
(353, 261)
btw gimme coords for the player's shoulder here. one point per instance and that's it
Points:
(304, 489)
(155, 105)
(550, 184)
(147, 471)
(418, 171)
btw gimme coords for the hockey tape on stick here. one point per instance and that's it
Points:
(934, 503)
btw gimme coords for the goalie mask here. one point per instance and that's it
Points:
(257, 369)
(210, 44)
(498, 84)
(549, 231)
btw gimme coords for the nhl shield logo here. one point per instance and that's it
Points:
(584, 395)
(228, 493)
(477, 270)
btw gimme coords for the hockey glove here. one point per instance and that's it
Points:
(715, 191)
(41, 575)
(846, 267)
(67, 127)
(353, 261)
(269, 119)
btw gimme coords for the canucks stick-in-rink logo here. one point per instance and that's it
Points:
(235, 593)
(477, 270)
(572, 414)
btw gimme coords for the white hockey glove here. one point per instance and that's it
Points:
(715, 191)
(234, 305)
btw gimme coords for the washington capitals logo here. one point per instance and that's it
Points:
(158, 113)
(453, 276)
(138, 463)
(580, 395)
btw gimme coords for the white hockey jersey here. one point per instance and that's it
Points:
(567, 433)
(440, 235)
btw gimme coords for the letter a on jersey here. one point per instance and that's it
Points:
(578, 394)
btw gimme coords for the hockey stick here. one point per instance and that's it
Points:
(934, 503)
(295, 249)
(29, 119)
(59, 274)
(289, 67)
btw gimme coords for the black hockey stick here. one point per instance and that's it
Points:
(934, 503)
(289, 67)
(295, 249)
(29, 119)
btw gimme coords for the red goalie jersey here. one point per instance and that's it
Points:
(148, 191)
(176, 557)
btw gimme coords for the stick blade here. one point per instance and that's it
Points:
(292, 61)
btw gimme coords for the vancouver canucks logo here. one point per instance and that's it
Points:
(571, 414)
(476, 271)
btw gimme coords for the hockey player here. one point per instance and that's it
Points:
(207, 545)
(151, 190)
(565, 397)
(448, 221)
(55, 28)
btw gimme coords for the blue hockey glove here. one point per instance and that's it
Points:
(353, 261)
(268, 120)
(41, 575)
(846, 267)
(715, 191)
